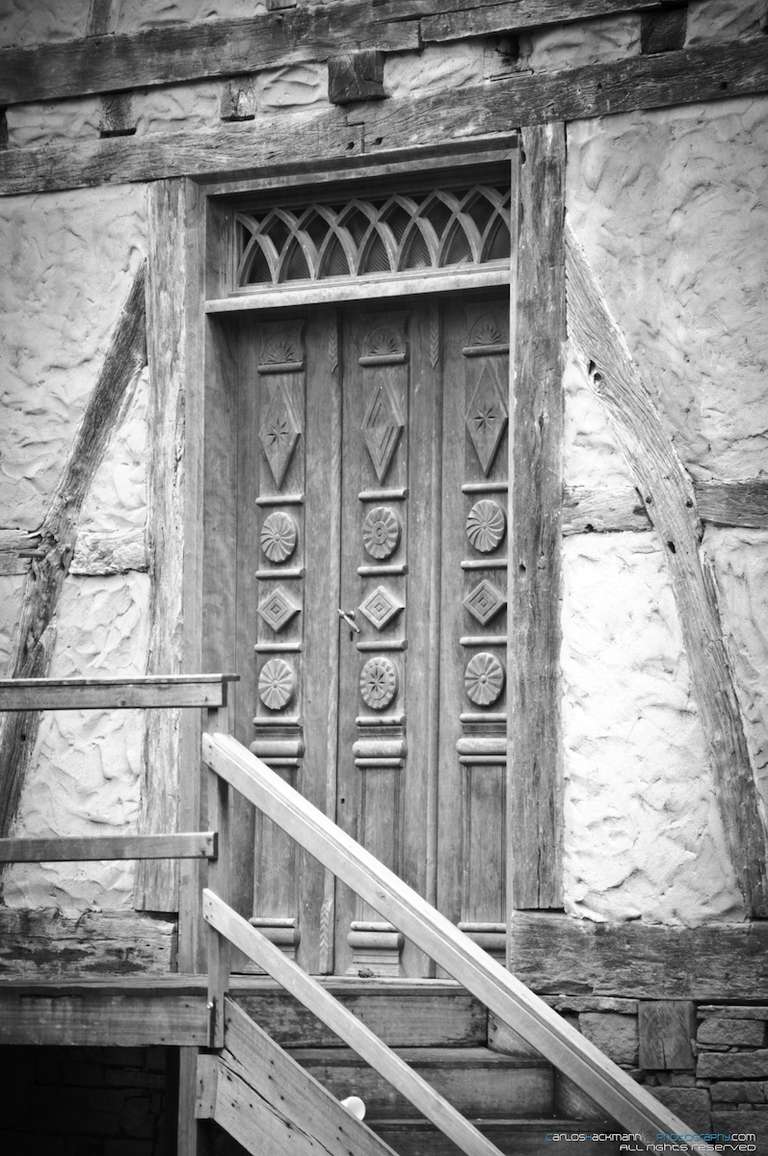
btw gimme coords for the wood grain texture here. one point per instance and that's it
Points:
(354, 1033)
(601, 512)
(460, 18)
(202, 690)
(356, 76)
(33, 641)
(743, 503)
(184, 51)
(710, 72)
(534, 740)
(670, 503)
(45, 943)
(186, 845)
(262, 1063)
(666, 1029)
(558, 954)
(500, 991)
(171, 288)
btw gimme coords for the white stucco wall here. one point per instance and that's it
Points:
(672, 212)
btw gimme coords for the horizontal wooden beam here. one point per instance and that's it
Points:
(516, 15)
(183, 52)
(557, 954)
(711, 72)
(742, 504)
(202, 690)
(182, 845)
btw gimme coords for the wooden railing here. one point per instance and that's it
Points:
(208, 691)
(516, 1005)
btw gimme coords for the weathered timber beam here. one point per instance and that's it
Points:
(460, 18)
(742, 503)
(712, 72)
(556, 954)
(195, 51)
(534, 746)
(187, 845)
(670, 503)
(30, 657)
(602, 512)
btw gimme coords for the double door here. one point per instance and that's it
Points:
(371, 613)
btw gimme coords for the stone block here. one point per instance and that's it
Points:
(690, 1104)
(738, 1065)
(738, 1092)
(743, 1120)
(614, 1034)
(733, 1011)
(726, 1033)
(666, 1028)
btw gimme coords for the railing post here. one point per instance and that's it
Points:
(218, 948)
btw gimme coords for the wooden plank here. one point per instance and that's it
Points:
(671, 505)
(183, 51)
(33, 641)
(354, 1033)
(666, 1029)
(44, 943)
(114, 1019)
(172, 289)
(356, 76)
(501, 992)
(534, 739)
(266, 1066)
(664, 31)
(17, 547)
(557, 954)
(23, 694)
(460, 18)
(708, 72)
(599, 512)
(190, 845)
(742, 503)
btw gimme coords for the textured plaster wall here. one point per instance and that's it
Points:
(71, 257)
(672, 212)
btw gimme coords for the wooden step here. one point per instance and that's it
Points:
(477, 1081)
(514, 1137)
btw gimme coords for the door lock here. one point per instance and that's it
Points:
(349, 618)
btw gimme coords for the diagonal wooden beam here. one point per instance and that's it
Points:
(670, 502)
(125, 359)
(292, 144)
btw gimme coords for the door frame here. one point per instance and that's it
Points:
(188, 231)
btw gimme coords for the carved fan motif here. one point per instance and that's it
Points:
(280, 344)
(486, 331)
(381, 531)
(483, 678)
(278, 536)
(277, 683)
(486, 525)
(383, 342)
(378, 683)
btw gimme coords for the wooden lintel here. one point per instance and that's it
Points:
(181, 845)
(201, 690)
(670, 503)
(460, 18)
(710, 72)
(534, 747)
(182, 52)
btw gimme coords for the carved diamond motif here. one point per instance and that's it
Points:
(380, 607)
(483, 678)
(486, 418)
(484, 601)
(278, 433)
(277, 609)
(381, 426)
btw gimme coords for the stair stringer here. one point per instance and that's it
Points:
(270, 1104)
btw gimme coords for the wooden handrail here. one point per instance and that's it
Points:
(179, 845)
(159, 691)
(347, 1026)
(515, 1004)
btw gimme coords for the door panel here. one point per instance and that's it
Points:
(370, 564)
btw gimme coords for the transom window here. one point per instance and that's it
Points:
(375, 236)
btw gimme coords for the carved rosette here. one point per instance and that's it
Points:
(381, 531)
(277, 683)
(278, 536)
(486, 525)
(483, 678)
(378, 682)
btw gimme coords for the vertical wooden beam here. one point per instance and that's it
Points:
(174, 331)
(534, 754)
(670, 502)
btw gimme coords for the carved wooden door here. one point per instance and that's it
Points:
(372, 613)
